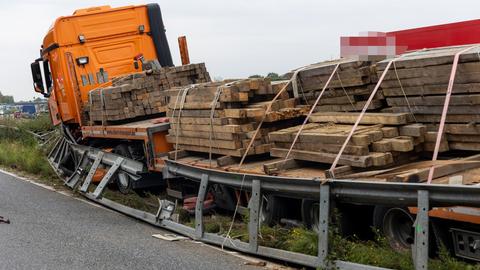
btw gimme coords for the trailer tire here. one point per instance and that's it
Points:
(396, 225)
(311, 214)
(272, 209)
(122, 180)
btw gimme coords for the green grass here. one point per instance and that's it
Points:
(145, 202)
(375, 252)
(20, 150)
(42, 123)
(24, 157)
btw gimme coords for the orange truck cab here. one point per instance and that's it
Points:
(85, 51)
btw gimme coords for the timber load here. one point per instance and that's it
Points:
(348, 89)
(417, 84)
(141, 94)
(381, 139)
(222, 117)
(406, 128)
(393, 141)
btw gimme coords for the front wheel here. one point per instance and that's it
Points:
(122, 180)
(124, 183)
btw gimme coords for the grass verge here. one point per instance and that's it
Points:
(298, 239)
(19, 150)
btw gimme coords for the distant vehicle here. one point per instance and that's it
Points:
(29, 109)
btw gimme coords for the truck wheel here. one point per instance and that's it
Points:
(122, 180)
(271, 210)
(311, 214)
(124, 183)
(396, 224)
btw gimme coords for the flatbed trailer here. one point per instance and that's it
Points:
(150, 133)
(267, 165)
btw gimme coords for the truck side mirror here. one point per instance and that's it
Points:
(37, 78)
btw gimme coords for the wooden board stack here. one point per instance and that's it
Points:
(381, 139)
(423, 78)
(140, 94)
(348, 90)
(228, 129)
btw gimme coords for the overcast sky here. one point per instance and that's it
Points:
(234, 38)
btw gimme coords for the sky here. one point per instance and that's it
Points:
(234, 38)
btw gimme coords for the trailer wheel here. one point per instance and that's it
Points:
(311, 214)
(122, 180)
(396, 224)
(271, 210)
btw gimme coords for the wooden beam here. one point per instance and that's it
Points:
(367, 119)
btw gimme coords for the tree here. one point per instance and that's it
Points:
(6, 99)
(274, 76)
(255, 76)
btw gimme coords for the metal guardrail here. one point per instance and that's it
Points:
(424, 196)
(402, 194)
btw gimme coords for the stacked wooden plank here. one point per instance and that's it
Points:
(140, 94)
(381, 139)
(228, 128)
(348, 90)
(422, 82)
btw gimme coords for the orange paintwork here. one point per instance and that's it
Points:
(451, 213)
(182, 45)
(135, 131)
(98, 175)
(160, 144)
(112, 39)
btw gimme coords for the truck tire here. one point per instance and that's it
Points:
(272, 209)
(396, 225)
(311, 214)
(122, 180)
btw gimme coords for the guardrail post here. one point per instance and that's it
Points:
(323, 228)
(202, 191)
(420, 251)
(108, 176)
(253, 224)
(93, 169)
(73, 180)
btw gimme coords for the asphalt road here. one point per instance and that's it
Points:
(49, 230)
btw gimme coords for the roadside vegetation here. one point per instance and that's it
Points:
(21, 151)
(375, 252)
